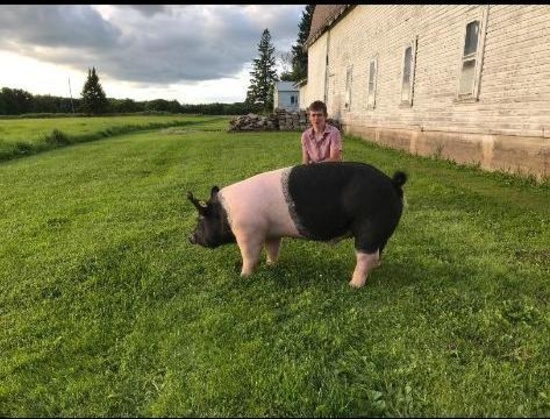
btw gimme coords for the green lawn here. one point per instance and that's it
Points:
(23, 137)
(107, 310)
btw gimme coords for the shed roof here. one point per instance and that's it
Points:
(286, 86)
(324, 15)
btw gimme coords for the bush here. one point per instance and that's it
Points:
(57, 138)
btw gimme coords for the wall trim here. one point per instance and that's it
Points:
(523, 156)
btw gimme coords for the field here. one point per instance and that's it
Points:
(23, 137)
(106, 309)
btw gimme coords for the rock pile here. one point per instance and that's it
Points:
(253, 122)
(334, 123)
(291, 121)
(280, 120)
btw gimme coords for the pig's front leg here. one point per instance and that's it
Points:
(250, 246)
(366, 262)
(272, 250)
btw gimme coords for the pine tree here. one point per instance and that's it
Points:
(264, 75)
(94, 101)
(299, 56)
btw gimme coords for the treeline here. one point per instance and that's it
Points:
(20, 102)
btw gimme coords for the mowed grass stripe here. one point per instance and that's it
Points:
(109, 311)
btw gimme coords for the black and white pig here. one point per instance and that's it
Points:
(325, 202)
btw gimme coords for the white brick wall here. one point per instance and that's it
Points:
(514, 94)
(314, 89)
(507, 128)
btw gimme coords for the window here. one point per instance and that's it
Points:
(371, 94)
(467, 75)
(470, 60)
(347, 99)
(292, 99)
(407, 79)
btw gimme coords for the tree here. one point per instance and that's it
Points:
(285, 61)
(264, 75)
(163, 105)
(51, 104)
(94, 100)
(15, 101)
(125, 106)
(299, 56)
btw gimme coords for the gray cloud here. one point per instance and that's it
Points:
(148, 44)
(53, 26)
(147, 9)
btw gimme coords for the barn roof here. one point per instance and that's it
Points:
(324, 16)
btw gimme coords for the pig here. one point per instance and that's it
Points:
(326, 201)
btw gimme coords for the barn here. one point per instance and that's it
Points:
(469, 83)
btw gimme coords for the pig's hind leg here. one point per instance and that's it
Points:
(272, 250)
(366, 262)
(369, 243)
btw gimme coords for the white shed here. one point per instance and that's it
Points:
(286, 96)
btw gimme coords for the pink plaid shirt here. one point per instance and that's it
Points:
(320, 150)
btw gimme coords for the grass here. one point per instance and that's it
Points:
(23, 137)
(107, 310)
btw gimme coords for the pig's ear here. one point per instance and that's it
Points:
(202, 209)
(214, 191)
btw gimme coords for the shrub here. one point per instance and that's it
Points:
(57, 138)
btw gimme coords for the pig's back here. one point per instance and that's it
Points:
(259, 202)
(326, 198)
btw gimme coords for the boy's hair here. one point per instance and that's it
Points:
(318, 105)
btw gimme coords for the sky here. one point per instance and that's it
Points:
(195, 54)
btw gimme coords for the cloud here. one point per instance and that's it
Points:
(152, 45)
(148, 9)
(51, 26)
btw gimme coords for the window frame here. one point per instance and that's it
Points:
(347, 91)
(371, 96)
(472, 94)
(412, 45)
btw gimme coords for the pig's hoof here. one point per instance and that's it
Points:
(353, 284)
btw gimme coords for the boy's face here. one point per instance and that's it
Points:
(317, 118)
